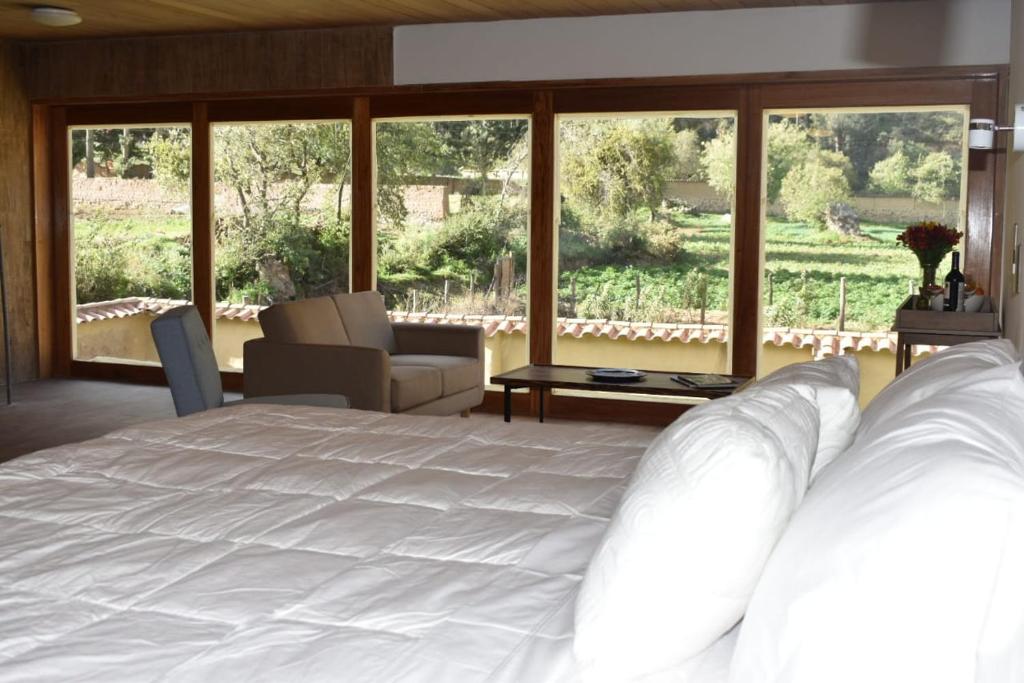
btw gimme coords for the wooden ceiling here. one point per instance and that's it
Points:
(145, 17)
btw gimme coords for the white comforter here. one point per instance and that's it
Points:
(288, 543)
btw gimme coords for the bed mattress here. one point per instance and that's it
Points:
(293, 543)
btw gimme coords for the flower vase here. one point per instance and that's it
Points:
(928, 276)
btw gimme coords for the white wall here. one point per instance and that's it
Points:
(1013, 304)
(712, 42)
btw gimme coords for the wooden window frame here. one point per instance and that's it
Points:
(982, 88)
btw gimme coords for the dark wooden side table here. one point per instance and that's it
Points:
(906, 339)
(546, 377)
(940, 328)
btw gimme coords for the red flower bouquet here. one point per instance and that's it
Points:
(930, 242)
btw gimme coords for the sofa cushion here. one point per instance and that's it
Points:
(309, 321)
(366, 320)
(836, 384)
(458, 373)
(413, 385)
(904, 561)
(693, 531)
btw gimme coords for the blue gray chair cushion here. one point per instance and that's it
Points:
(191, 367)
(189, 363)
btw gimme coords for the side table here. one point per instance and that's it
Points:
(907, 338)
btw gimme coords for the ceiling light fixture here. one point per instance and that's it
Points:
(55, 16)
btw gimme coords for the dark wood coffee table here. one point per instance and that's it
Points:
(545, 377)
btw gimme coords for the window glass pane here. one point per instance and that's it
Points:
(131, 226)
(452, 224)
(645, 241)
(840, 186)
(282, 221)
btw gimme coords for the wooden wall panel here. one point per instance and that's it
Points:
(16, 213)
(42, 197)
(210, 64)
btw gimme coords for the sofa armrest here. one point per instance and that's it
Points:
(440, 340)
(278, 368)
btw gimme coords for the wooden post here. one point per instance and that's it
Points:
(362, 256)
(204, 290)
(446, 294)
(504, 277)
(413, 301)
(703, 298)
(572, 295)
(842, 304)
(910, 288)
(636, 304)
(771, 288)
(472, 288)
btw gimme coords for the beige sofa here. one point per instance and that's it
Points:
(346, 344)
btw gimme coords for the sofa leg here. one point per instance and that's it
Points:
(465, 413)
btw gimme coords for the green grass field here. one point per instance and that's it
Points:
(805, 263)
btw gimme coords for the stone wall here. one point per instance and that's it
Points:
(702, 197)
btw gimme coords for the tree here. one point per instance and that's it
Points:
(718, 160)
(788, 145)
(869, 137)
(170, 155)
(936, 177)
(809, 189)
(688, 155)
(891, 175)
(619, 166)
(404, 151)
(335, 142)
(478, 146)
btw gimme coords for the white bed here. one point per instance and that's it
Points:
(290, 543)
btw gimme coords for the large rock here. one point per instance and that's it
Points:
(842, 218)
(278, 278)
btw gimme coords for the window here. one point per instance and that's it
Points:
(659, 245)
(645, 240)
(840, 186)
(452, 216)
(131, 227)
(282, 207)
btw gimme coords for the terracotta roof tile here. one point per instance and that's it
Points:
(823, 342)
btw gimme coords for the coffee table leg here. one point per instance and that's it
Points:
(508, 403)
(541, 405)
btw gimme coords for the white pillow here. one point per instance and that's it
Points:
(836, 383)
(904, 562)
(683, 552)
(931, 376)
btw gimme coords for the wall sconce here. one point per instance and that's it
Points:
(981, 133)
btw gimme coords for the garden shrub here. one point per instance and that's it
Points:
(936, 177)
(809, 188)
(115, 259)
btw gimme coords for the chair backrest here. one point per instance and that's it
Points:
(307, 321)
(366, 319)
(188, 359)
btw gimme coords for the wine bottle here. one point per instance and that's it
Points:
(953, 296)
